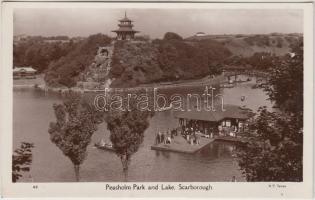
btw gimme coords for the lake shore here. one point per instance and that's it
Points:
(39, 83)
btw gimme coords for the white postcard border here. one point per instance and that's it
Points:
(89, 189)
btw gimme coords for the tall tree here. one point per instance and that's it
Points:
(276, 153)
(127, 132)
(76, 121)
(21, 160)
(286, 81)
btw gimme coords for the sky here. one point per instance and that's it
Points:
(155, 22)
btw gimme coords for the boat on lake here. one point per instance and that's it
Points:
(104, 146)
(227, 85)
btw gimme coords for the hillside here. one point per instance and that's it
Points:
(143, 61)
(169, 59)
(66, 70)
(134, 63)
(248, 45)
(174, 58)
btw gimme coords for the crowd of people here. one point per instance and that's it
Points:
(193, 134)
(165, 137)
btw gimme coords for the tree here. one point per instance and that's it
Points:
(127, 132)
(215, 69)
(37, 53)
(21, 160)
(286, 81)
(76, 121)
(276, 153)
(172, 36)
(277, 150)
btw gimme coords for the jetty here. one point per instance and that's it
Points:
(196, 129)
(242, 140)
(180, 145)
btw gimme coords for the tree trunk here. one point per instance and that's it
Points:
(77, 172)
(125, 164)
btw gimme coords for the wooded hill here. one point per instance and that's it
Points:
(171, 58)
(148, 61)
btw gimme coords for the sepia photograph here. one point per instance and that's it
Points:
(135, 94)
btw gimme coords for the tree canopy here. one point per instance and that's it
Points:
(127, 132)
(65, 71)
(276, 152)
(38, 53)
(172, 36)
(76, 121)
(21, 160)
(169, 59)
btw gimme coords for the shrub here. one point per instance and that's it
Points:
(172, 36)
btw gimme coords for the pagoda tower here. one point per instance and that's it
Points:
(125, 31)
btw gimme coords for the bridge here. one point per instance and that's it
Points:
(230, 74)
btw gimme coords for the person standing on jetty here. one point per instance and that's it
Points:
(168, 136)
(163, 138)
(197, 139)
(158, 138)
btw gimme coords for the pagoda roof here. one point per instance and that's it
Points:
(125, 19)
(125, 25)
(125, 29)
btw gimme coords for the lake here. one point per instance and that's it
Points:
(32, 113)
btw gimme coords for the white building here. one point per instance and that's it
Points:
(24, 72)
(199, 34)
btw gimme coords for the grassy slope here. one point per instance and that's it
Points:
(247, 45)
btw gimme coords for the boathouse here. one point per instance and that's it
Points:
(24, 72)
(233, 119)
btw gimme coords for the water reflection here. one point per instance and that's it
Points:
(166, 155)
(217, 150)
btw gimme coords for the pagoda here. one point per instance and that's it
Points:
(125, 31)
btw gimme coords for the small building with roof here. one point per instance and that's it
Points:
(199, 34)
(232, 119)
(198, 128)
(125, 30)
(24, 72)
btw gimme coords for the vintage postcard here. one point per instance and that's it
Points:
(194, 100)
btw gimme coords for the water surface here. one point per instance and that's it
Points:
(32, 113)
